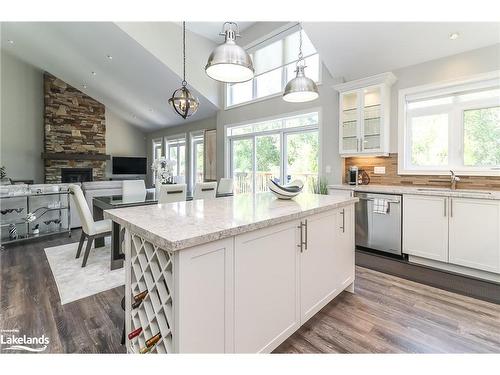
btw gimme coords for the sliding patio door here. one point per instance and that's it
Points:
(282, 150)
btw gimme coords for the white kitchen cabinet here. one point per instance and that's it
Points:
(328, 248)
(343, 267)
(342, 193)
(317, 277)
(475, 233)
(364, 109)
(425, 226)
(266, 281)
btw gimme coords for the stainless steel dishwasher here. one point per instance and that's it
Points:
(376, 228)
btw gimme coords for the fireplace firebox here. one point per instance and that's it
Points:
(69, 175)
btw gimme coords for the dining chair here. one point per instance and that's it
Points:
(170, 193)
(226, 186)
(205, 190)
(90, 229)
(133, 190)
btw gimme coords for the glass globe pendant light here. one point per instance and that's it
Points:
(182, 101)
(229, 62)
(301, 88)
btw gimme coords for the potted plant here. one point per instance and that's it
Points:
(320, 186)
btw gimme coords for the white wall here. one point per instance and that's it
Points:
(21, 119)
(464, 64)
(122, 139)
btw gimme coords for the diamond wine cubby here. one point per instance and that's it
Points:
(151, 270)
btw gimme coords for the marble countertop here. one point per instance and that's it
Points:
(175, 226)
(420, 190)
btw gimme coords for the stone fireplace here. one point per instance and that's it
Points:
(75, 133)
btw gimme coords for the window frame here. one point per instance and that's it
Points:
(178, 137)
(194, 139)
(264, 42)
(455, 110)
(228, 160)
(154, 143)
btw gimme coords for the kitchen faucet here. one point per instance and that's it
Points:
(454, 180)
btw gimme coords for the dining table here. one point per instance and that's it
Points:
(118, 201)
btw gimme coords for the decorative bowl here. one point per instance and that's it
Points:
(285, 191)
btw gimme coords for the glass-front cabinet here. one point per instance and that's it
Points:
(364, 115)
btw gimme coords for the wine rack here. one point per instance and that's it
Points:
(152, 270)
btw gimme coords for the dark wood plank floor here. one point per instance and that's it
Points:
(29, 302)
(387, 314)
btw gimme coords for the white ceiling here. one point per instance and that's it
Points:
(211, 30)
(358, 49)
(134, 83)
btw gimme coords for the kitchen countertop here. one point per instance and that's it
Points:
(175, 226)
(420, 190)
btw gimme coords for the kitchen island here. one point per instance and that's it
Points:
(233, 275)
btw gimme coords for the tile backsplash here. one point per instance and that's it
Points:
(391, 176)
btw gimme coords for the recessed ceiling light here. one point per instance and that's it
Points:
(94, 73)
(10, 41)
(454, 36)
(109, 57)
(84, 85)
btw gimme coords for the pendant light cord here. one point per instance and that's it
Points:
(184, 83)
(301, 56)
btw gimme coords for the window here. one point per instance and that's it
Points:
(176, 151)
(274, 66)
(157, 152)
(281, 149)
(451, 127)
(197, 156)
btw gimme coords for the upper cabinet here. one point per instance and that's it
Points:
(364, 108)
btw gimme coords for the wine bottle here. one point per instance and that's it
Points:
(150, 343)
(134, 333)
(141, 295)
(139, 298)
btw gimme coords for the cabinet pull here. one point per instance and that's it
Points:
(343, 220)
(451, 207)
(305, 243)
(301, 245)
(445, 206)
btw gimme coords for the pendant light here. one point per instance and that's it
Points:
(229, 62)
(182, 101)
(300, 88)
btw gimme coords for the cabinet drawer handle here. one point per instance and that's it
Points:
(451, 207)
(305, 243)
(343, 220)
(445, 206)
(302, 242)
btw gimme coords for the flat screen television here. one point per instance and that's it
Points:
(129, 165)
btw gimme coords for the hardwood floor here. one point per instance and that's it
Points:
(30, 302)
(386, 314)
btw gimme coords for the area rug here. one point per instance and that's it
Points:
(73, 281)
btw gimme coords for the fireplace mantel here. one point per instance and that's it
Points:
(73, 156)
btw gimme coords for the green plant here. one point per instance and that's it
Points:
(320, 186)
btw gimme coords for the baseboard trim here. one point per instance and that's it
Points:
(465, 285)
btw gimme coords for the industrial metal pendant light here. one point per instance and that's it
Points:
(300, 88)
(229, 62)
(182, 101)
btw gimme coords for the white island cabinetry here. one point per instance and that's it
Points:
(237, 274)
